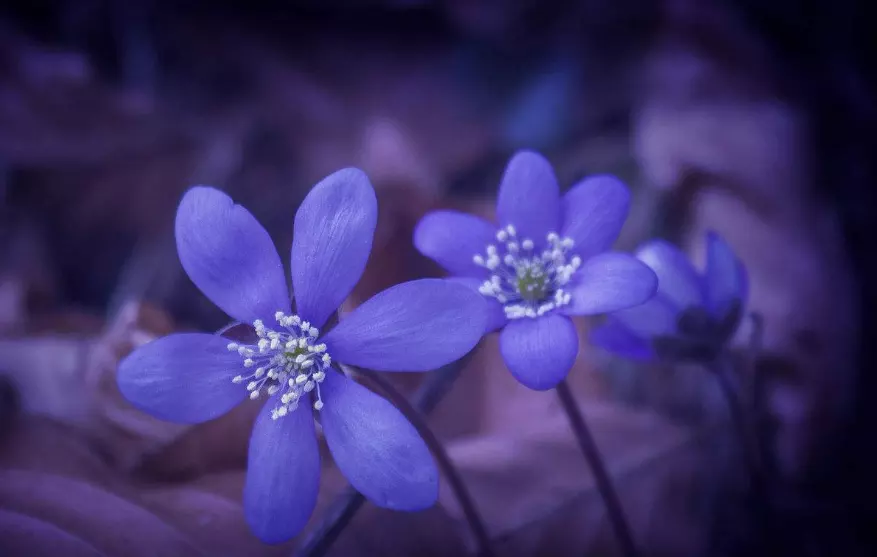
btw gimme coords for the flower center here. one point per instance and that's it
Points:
(528, 283)
(287, 362)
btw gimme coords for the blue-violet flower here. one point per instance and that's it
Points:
(544, 261)
(691, 317)
(194, 377)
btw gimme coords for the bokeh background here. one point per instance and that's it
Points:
(756, 119)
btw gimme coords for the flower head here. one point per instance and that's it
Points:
(290, 361)
(692, 315)
(544, 261)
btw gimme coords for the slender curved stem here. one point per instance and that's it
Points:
(457, 485)
(339, 515)
(9, 405)
(604, 483)
(758, 396)
(748, 442)
(345, 507)
(755, 449)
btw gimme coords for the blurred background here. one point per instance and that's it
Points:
(754, 119)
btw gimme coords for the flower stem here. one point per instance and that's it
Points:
(9, 405)
(754, 447)
(345, 507)
(604, 484)
(758, 395)
(749, 444)
(457, 485)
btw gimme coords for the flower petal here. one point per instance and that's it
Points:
(678, 281)
(452, 239)
(726, 277)
(539, 352)
(655, 317)
(283, 474)
(184, 378)
(610, 282)
(529, 197)
(414, 326)
(614, 337)
(229, 256)
(334, 229)
(496, 317)
(594, 210)
(376, 448)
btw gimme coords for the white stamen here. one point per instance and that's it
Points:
(288, 363)
(529, 283)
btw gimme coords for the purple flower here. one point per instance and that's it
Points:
(546, 260)
(692, 315)
(194, 377)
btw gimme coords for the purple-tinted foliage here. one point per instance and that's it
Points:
(692, 315)
(545, 260)
(415, 326)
